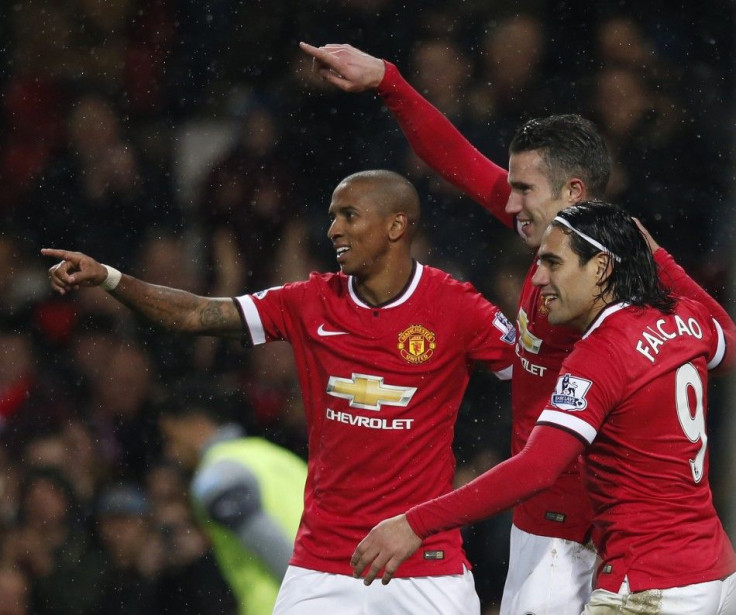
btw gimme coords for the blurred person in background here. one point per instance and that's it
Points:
(246, 492)
(456, 244)
(70, 449)
(19, 278)
(166, 485)
(32, 394)
(506, 88)
(252, 236)
(134, 554)
(118, 408)
(191, 582)
(253, 232)
(166, 259)
(98, 178)
(270, 388)
(18, 377)
(442, 71)
(52, 544)
(15, 590)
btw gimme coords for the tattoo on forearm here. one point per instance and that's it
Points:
(178, 310)
(212, 316)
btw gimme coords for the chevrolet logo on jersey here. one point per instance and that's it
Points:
(369, 392)
(530, 342)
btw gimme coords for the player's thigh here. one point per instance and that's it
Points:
(308, 592)
(700, 598)
(547, 576)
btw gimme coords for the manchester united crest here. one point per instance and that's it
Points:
(417, 344)
(542, 308)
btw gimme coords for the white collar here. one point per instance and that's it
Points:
(396, 301)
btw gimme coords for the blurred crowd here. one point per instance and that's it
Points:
(188, 143)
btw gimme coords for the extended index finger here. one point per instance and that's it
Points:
(320, 54)
(63, 255)
(311, 50)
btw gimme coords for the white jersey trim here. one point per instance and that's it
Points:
(568, 421)
(505, 374)
(611, 309)
(252, 319)
(720, 349)
(406, 295)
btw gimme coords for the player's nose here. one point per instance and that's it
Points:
(334, 230)
(513, 205)
(540, 277)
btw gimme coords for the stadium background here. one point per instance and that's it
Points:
(188, 143)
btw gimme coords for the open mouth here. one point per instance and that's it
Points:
(525, 225)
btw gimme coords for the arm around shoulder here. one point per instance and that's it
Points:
(677, 279)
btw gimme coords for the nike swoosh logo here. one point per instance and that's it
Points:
(322, 332)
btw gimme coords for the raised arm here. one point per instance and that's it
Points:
(430, 134)
(174, 309)
(346, 67)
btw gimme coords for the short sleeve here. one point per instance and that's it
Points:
(491, 336)
(267, 314)
(587, 389)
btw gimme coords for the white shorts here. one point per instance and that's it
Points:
(547, 576)
(308, 592)
(712, 598)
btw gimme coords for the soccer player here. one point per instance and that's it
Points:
(384, 351)
(554, 162)
(247, 494)
(632, 398)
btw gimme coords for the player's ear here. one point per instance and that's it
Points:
(399, 223)
(604, 266)
(575, 190)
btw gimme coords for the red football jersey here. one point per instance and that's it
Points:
(563, 510)
(382, 387)
(635, 389)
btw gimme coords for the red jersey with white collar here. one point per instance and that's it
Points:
(635, 390)
(381, 387)
(563, 510)
(634, 394)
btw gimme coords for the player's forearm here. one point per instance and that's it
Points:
(503, 486)
(174, 309)
(436, 141)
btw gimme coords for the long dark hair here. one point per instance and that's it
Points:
(634, 277)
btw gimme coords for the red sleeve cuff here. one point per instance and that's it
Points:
(414, 519)
(390, 77)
